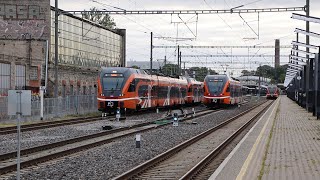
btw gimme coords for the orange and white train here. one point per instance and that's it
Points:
(272, 92)
(195, 91)
(221, 90)
(134, 89)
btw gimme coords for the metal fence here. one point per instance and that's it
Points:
(54, 107)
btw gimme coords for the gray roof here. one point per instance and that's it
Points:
(253, 78)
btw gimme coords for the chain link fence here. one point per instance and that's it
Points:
(53, 107)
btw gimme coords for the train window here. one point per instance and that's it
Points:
(174, 92)
(132, 86)
(112, 83)
(190, 89)
(231, 90)
(215, 86)
(143, 91)
(160, 92)
(183, 92)
(228, 88)
(154, 91)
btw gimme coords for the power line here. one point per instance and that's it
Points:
(204, 11)
(203, 47)
(226, 55)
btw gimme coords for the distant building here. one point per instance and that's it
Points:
(26, 25)
(253, 80)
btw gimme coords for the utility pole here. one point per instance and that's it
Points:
(307, 84)
(56, 40)
(151, 53)
(307, 23)
(180, 66)
(165, 60)
(178, 59)
(259, 81)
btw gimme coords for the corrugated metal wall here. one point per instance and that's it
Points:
(20, 77)
(4, 78)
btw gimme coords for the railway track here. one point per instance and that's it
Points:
(39, 154)
(47, 124)
(50, 124)
(189, 158)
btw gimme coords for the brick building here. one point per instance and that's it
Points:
(26, 26)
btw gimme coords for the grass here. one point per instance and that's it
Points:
(262, 170)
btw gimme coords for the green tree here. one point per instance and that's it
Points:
(135, 67)
(99, 18)
(169, 69)
(277, 75)
(200, 72)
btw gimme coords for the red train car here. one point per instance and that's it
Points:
(221, 90)
(195, 91)
(272, 92)
(134, 89)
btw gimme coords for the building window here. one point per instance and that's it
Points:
(20, 77)
(71, 90)
(95, 89)
(90, 90)
(4, 79)
(79, 90)
(64, 91)
(84, 90)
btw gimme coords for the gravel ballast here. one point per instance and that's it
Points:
(110, 160)
(34, 138)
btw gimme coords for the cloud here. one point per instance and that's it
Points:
(213, 29)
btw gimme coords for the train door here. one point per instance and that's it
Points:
(154, 92)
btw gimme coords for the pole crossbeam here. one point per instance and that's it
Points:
(239, 55)
(203, 47)
(204, 11)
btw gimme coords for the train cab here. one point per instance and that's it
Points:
(221, 90)
(272, 92)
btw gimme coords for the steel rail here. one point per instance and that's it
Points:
(166, 155)
(12, 167)
(48, 124)
(210, 157)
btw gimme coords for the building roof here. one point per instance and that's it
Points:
(116, 31)
(253, 78)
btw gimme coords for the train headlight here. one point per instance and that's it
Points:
(121, 94)
(102, 94)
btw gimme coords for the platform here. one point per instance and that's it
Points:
(283, 144)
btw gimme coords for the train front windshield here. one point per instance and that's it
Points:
(112, 83)
(215, 86)
(272, 90)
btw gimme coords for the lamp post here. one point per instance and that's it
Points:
(151, 47)
(56, 33)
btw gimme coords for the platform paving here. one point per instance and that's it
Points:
(294, 151)
(284, 144)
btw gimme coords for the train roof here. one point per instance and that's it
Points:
(139, 72)
(122, 70)
(193, 81)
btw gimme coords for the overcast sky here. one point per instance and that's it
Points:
(213, 29)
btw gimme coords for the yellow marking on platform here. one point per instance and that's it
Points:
(254, 147)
